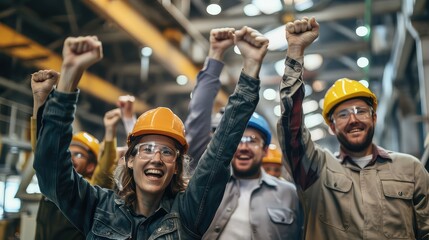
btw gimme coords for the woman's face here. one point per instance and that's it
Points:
(153, 165)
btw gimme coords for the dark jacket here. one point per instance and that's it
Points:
(99, 213)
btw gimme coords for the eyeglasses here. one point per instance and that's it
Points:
(78, 155)
(251, 141)
(361, 113)
(146, 151)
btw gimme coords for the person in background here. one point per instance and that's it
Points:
(255, 204)
(84, 148)
(153, 202)
(272, 162)
(197, 124)
(126, 104)
(50, 222)
(364, 192)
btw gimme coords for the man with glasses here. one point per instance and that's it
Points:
(255, 204)
(365, 192)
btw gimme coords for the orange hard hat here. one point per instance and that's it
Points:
(160, 121)
(273, 156)
(342, 90)
(87, 141)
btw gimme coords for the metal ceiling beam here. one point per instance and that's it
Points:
(43, 58)
(139, 28)
(333, 13)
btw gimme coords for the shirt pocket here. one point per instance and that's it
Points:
(397, 208)
(281, 215)
(108, 226)
(168, 229)
(336, 197)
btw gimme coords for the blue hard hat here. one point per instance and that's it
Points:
(259, 123)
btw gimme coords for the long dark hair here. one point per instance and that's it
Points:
(127, 191)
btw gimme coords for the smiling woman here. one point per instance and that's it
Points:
(151, 200)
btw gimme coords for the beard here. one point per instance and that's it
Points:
(356, 147)
(253, 170)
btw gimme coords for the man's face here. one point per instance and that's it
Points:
(353, 124)
(81, 162)
(274, 169)
(247, 160)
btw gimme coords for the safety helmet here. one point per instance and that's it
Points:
(273, 156)
(259, 123)
(160, 121)
(342, 90)
(87, 141)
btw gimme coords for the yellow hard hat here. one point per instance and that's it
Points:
(160, 121)
(273, 156)
(342, 90)
(86, 141)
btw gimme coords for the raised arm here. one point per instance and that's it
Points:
(42, 83)
(294, 137)
(57, 178)
(198, 123)
(103, 173)
(206, 187)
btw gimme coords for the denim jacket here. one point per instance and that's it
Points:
(100, 214)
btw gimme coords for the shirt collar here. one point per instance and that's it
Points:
(376, 152)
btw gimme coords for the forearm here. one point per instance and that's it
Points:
(51, 155)
(103, 173)
(53, 165)
(198, 122)
(294, 138)
(206, 187)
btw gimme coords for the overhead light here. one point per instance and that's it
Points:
(251, 10)
(268, 8)
(303, 5)
(362, 31)
(182, 80)
(308, 90)
(146, 52)
(213, 9)
(277, 110)
(270, 94)
(318, 85)
(236, 50)
(321, 102)
(313, 120)
(317, 134)
(364, 82)
(362, 62)
(312, 61)
(309, 106)
(272, 146)
(277, 39)
(279, 66)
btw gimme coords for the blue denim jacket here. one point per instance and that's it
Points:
(100, 214)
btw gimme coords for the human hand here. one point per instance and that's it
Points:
(79, 53)
(220, 40)
(253, 47)
(42, 83)
(300, 34)
(126, 104)
(111, 119)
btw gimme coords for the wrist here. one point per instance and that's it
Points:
(217, 55)
(69, 78)
(252, 68)
(295, 51)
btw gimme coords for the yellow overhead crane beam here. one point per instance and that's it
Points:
(139, 28)
(21, 47)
